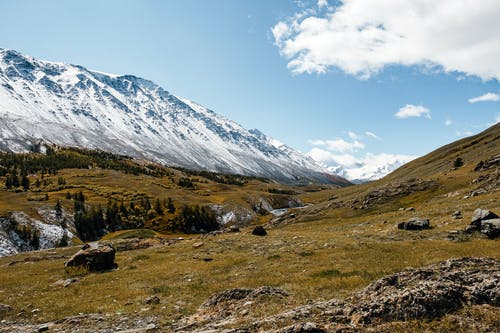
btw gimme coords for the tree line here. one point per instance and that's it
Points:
(55, 159)
(94, 221)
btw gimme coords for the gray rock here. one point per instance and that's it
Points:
(491, 228)
(259, 231)
(152, 300)
(420, 293)
(239, 294)
(66, 282)
(429, 292)
(414, 223)
(234, 228)
(95, 256)
(4, 308)
(457, 215)
(307, 327)
(45, 327)
(480, 215)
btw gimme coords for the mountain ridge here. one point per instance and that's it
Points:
(69, 105)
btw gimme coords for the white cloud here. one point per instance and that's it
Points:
(372, 135)
(338, 157)
(352, 135)
(375, 166)
(448, 122)
(322, 3)
(325, 157)
(410, 110)
(339, 145)
(368, 167)
(362, 37)
(488, 97)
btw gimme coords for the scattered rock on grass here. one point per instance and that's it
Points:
(457, 215)
(481, 215)
(239, 294)
(307, 327)
(66, 282)
(414, 294)
(414, 223)
(234, 228)
(94, 256)
(152, 300)
(259, 231)
(198, 244)
(491, 228)
(431, 291)
(486, 222)
(4, 308)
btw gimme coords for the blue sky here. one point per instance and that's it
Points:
(324, 77)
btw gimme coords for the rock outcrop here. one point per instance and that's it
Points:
(414, 223)
(421, 293)
(20, 232)
(4, 308)
(488, 164)
(394, 190)
(429, 292)
(94, 256)
(486, 222)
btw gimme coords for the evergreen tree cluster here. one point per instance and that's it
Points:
(195, 220)
(61, 158)
(185, 182)
(14, 179)
(29, 235)
(281, 191)
(221, 178)
(93, 222)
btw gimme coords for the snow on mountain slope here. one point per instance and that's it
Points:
(69, 105)
(371, 167)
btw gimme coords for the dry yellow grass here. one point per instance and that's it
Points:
(325, 253)
(312, 260)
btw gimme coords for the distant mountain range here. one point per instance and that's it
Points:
(69, 105)
(371, 167)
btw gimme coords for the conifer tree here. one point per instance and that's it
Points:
(25, 182)
(58, 209)
(170, 205)
(158, 208)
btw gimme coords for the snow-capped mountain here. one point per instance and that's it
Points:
(371, 167)
(69, 105)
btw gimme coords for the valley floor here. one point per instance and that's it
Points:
(315, 260)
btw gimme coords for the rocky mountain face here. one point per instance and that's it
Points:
(69, 105)
(20, 232)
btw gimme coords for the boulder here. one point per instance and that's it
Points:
(152, 300)
(95, 256)
(198, 244)
(259, 231)
(234, 228)
(481, 222)
(491, 228)
(457, 215)
(4, 308)
(415, 223)
(480, 215)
